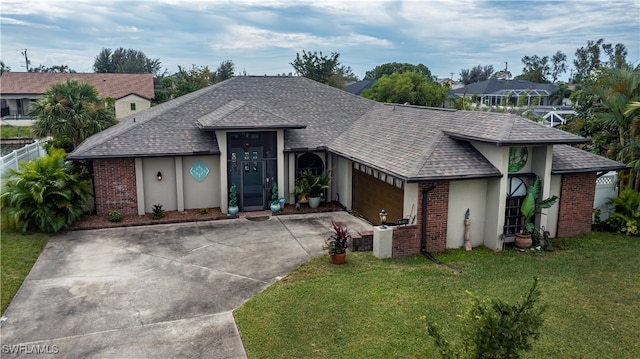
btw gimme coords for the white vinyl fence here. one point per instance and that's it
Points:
(606, 187)
(26, 153)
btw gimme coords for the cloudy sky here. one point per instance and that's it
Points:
(262, 37)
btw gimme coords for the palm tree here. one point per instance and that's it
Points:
(46, 194)
(71, 110)
(616, 89)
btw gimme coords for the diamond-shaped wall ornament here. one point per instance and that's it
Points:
(199, 171)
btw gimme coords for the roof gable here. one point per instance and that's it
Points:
(236, 115)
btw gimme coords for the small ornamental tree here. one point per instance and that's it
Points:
(46, 194)
(497, 330)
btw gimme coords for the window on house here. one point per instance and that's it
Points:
(133, 106)
(516, 191)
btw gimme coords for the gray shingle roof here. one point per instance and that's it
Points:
(409, 142)
(238, 114)
(495, 86)
(567, 159)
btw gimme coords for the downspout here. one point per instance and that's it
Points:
(423, 238)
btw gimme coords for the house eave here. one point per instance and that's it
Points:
(590, 169)
(467, 138)
(139, 155)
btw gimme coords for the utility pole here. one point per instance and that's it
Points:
(26, 59)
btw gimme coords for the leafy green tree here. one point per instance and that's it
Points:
(392, 67)
(322, 68)
(558, 65)
(46, 194)
(224, 72)
(536, 69)
(125, 61)
(563, 91)
(588, 58)
(54, 68)
(476, 74)
(604, 112)
(4, 68)
(407, 87)
(71, 110)
(187, 81)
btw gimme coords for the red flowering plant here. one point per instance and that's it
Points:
(338, 241)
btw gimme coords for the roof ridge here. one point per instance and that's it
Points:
(426, 153)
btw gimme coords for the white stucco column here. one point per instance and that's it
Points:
(281, 164)
(139, 186)
(179, 184)
(221, 137)
(382, 242)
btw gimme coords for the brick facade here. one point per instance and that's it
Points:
(115, 186)
(406, 240)
(576, 204)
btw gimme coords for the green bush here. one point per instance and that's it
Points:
(626, 218)
(496, 329)
(46, 194)
(204, 211)
(115, 216)
(158, 212)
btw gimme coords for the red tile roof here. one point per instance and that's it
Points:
(108, 85)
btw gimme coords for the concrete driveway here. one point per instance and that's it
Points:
(161, 291)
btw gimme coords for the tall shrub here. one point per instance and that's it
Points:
(46, 194)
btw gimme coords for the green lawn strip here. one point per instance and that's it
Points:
(373, 308)
(15, 131)
(18, 254)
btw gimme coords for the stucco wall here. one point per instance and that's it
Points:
(205, 194)
(471, 194)
(123, 105)
(159, 192)
(342, 181)
(552, 213)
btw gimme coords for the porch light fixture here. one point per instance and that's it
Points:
(159, 176)
(383, 219)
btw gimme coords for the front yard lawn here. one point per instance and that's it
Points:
(370, 308)
(19, 253)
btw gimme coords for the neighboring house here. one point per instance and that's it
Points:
(495, 92)
(358, 87)
(425, 164)
(131, 92)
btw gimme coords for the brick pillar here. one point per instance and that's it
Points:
(577, 192)
(437, 213)
(115, 185)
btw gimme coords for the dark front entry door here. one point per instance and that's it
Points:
(253, 186)
(252, 167)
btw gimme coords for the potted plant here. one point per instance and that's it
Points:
(310, 186)
(337, 243)
(275, 201)
(233, 201)
(529, 208)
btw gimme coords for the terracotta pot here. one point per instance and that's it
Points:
(523, 241)
(338, 258)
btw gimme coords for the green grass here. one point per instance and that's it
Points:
(18, 254)
(14, 131)
(372, 308)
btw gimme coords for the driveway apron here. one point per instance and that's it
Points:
(156, 291)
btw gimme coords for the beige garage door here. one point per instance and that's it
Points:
(370, 196)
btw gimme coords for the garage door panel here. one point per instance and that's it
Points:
(370, 195)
